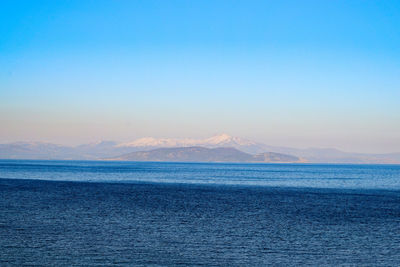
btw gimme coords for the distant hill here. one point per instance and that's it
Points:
(221, 140)
(36, 150)
(314, 155)
(48, 151)
(202, 154)
(110, 149)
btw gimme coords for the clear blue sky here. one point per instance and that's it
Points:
(294, 73)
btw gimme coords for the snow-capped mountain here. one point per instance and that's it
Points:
(227, 140)
(221, 140)
(109, 149)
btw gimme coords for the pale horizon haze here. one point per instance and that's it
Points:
(284, 73)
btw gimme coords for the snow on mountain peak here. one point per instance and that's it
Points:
(227, 140)
(146, 141)
(217, 140)
(221, 138)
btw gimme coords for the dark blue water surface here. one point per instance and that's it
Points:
(168, 214)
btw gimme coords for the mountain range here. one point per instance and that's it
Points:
(202, 154)
(110, 149)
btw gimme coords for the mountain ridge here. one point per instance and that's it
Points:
(107, 149)
(202, 154)
(216, 140)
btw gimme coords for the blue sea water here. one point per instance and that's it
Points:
(82, 213)
(277, 175)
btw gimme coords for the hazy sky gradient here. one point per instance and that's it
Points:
(289, 73)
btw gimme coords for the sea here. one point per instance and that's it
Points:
(102, 213)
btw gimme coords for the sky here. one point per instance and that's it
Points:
(288, 73)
